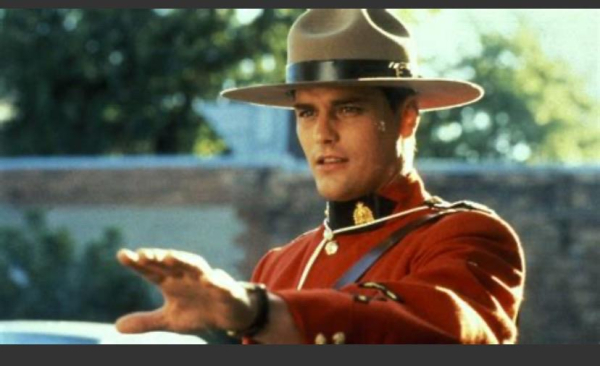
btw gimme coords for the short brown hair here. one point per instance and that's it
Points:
(396, 96)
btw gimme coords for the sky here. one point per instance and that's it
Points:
(568, 34)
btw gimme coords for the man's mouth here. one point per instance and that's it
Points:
(330, 162)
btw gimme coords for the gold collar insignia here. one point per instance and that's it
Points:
(362, 214)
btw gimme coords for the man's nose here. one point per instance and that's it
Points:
(325, 129)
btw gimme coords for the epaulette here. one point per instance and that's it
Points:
(438, 204)
(303, 235)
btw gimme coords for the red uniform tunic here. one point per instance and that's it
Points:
(458, 280)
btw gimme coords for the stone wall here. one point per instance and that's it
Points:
(554, 210)
(555, 213)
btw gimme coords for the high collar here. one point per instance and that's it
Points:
(402, 193)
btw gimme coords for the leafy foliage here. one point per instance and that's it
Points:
(126, 82)
(534, 110)
(42, 276)
(129, 82)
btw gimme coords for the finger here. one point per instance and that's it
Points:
(153, 255)
(134, 261)
(221, 278)
(182, 268)
(154, 260)
(178, 269)
(170, 257)
(126, 256)
(161, 263)
(151, 274)
(141, 322)
(187, 262)
(192, 260)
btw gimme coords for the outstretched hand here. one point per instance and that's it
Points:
(196, 296)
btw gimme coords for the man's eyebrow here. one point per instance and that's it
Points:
(302, 106)
(338, 102)
(349, 100)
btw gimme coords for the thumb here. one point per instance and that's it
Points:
(141, 322)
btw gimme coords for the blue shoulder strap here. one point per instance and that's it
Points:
(443, 208)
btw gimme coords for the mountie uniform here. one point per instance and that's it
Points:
(457, 279)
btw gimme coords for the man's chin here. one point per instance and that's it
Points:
(335, 194)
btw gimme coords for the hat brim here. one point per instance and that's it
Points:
(432, 94)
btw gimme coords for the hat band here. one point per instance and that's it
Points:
(333, 70)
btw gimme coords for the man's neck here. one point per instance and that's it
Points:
(362, 210)
(401, 192)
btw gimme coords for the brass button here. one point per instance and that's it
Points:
(320, 339)
(331, 247)
(328, 234)
(361, 298)
(339, 338)
(391, 295)
(374, 285)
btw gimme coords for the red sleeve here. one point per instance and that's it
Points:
(258, 269)
(465, 286)
(257, 273)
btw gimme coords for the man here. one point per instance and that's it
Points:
(390, 263)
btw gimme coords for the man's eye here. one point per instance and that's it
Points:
(350, 110)
(304, 113)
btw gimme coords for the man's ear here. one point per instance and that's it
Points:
(409, 117)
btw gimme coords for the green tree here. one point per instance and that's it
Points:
(535, 109)
(104, 288)
(43, 277)
(127, 81)
(35, 272)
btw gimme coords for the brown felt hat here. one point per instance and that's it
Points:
(355, 47)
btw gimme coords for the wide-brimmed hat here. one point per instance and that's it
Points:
(355, 47)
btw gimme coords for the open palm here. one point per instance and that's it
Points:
(196, 296)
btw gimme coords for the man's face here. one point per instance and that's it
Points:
(348, 135)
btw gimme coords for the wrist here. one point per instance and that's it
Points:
(259, 300)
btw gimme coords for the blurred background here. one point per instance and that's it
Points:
(112, 135)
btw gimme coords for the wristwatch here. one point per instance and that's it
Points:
(262, 316)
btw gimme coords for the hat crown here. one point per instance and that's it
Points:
(349, 34)
(355, 48)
